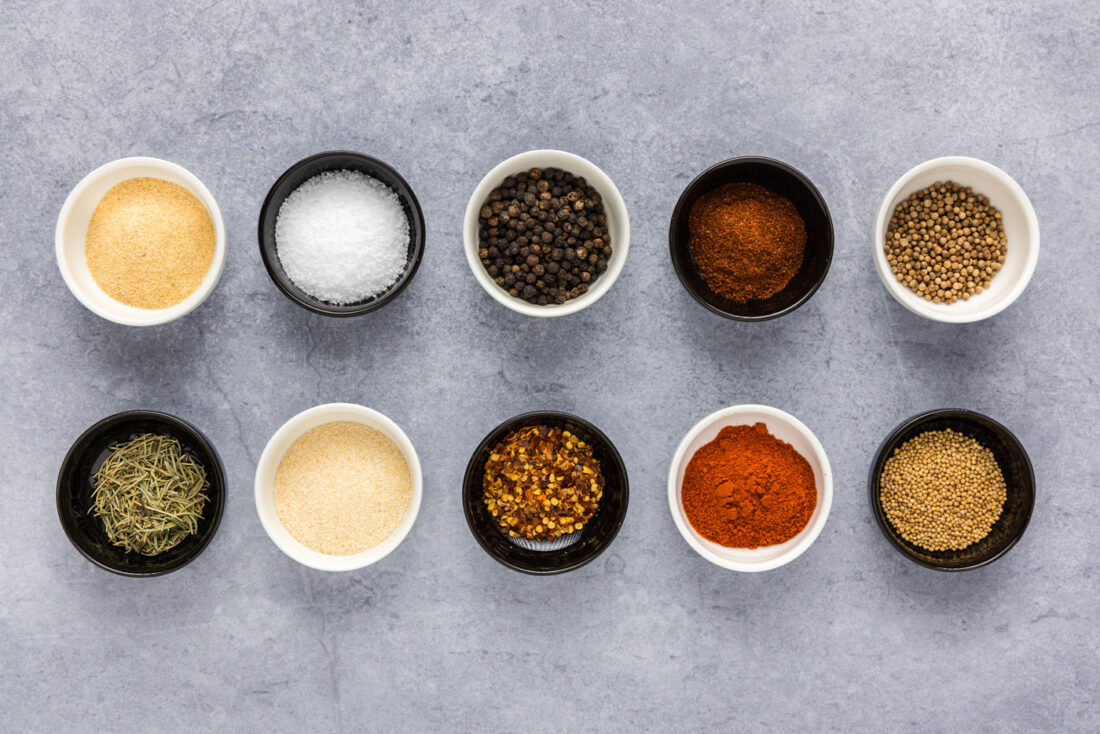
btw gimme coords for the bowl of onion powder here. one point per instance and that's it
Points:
(341, 233)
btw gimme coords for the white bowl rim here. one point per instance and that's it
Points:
(915, 303)
(295, 428)
(597, 178)
(155, 316)
(817, 523)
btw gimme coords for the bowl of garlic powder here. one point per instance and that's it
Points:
(338, 487)
(140, 241)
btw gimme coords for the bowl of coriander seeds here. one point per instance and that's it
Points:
(952, 489)
(546, 233)
(545, 492)
(955, 240)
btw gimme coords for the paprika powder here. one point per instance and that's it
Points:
(747, 242)
(747, 489)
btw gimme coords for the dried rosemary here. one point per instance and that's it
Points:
(149, 494)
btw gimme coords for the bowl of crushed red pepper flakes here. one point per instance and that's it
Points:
(751, 238)
(750, 488)
(545, 492)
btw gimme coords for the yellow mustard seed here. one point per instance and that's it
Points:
(942, 490)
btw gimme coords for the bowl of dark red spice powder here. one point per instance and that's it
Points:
(750, 488)
(751, 238)
(545, 492)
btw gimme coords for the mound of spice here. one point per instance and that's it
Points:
(342, 237)
(150, 243)
(542, 483)
(747, 489)
(945, 242)
(543, 236)
(149, 493)
(342, 488)
(747, 242)
(942, 490)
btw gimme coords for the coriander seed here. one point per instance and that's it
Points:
(945, 242)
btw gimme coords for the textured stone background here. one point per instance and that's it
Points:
(439, 636)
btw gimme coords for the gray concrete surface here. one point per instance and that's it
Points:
(650, 637)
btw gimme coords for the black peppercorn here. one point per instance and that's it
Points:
(543, 235)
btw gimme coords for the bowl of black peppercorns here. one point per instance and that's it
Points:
(546, 233)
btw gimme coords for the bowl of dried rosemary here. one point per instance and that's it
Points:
(141, 493)
(545, 492)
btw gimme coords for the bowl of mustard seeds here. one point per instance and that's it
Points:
(952, 489)
(140, 241)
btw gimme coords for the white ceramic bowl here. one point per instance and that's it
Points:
(273, 453)
(618, 226)
(1021, 229)
(72, 228)
(783, 426)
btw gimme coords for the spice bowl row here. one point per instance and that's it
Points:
(339, 486)
(545, 233)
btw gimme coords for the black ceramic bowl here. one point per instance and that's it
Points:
(1019, 481)
(561, 555)
(75, 484)
(779, 178)
(299, 173)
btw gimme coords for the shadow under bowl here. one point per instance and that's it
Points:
(76, 481)
(1019, 481)
(781, 179)
(587, 543)
(302, 171)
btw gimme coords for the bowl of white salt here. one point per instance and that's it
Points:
(341, 233)
(338, 487)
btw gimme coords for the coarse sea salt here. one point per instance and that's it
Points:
(342, 237)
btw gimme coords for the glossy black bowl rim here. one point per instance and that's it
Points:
(515, 422)
(882, 455)
(320, 307)
(196, 435)
(774, 163)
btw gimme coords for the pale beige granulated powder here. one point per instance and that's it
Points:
(342, 488)
(150, 243)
